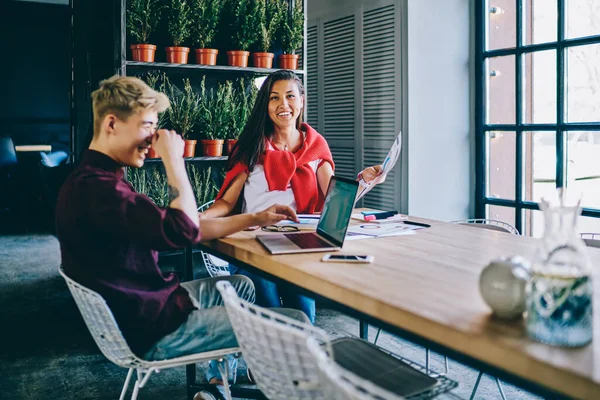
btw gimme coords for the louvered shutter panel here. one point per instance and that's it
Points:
(379, 100)
(338, 92)
(312, 85)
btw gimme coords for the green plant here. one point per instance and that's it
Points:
(157, 82)
(292, 29)
(224, 109)
(243, 105)
(180, 21)
(245, 24)
(137, 178)
(142, 18)
(150, 181)
(185, 107)
(206, 118)
(204, 187)
(271, 14)
(206, 20)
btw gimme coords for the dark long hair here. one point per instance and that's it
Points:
(251, 143)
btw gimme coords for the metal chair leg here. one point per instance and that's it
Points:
(377, 336)
(500, 389)
(476, 386)
(126, 385)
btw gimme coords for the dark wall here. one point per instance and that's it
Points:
(35, 74)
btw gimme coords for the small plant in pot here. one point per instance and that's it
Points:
(142, 18)
(245, 27)
(157, 81)
(242, 107)
(270, 17)
(292, 35)
(179, 26)
(184, 113)
(206, 19)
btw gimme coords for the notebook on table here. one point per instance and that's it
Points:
(331, 228)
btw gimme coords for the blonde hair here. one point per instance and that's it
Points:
(125, 96)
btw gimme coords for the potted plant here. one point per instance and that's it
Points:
(270, 16)
(183, 113)
(204, 187)
(241, 110)
(292, 34)
(210, 118)
(142, 19)
(157, 82)
(245, 24)
(206, 20)
(180, 22)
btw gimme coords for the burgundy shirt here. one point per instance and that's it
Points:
(109, 236)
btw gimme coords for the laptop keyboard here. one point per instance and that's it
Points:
(307, 240)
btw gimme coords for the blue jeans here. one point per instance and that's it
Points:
(271, 295)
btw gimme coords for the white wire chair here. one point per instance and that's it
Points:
(214, 265)
(491, 224)
(341, 384)
(591, 239)
(275, 347)
(106, 333)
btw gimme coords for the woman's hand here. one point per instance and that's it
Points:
(373, 174)
(275, 214)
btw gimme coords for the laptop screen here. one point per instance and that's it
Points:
(337, 209)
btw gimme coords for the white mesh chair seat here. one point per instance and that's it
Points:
(591, 239)
(214, 265)
(106, 333)
(490, 224)
(275, 348)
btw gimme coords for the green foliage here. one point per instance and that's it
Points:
(244, 103)
(245, 24)
(204, 187)
(157, 81)
(292, 29)
(150, 181)
(185, 107)
(206, 119)
(206, 20)
(271, 15)
(142, 18)
(179, 21)
(217, 111)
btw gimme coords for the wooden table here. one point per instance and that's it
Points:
(424, 287)
(33, 147)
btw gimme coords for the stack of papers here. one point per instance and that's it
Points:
(369, 230)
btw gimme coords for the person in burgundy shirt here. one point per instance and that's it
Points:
(109, 235)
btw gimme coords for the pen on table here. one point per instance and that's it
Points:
(417, 224)
(379, 215)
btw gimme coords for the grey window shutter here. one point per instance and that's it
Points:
(379, 99)
(339, 92)
(312, 85)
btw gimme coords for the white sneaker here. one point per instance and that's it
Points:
(203, 395)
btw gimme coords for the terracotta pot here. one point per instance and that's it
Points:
(229, 143)
(212, 148)
(190, 148)
(177, 55)
(238, 58)
(152, 153)
(263, 60)
(143, 52)
(288, 61)
(206, 56)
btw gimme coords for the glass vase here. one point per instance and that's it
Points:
(559, 293)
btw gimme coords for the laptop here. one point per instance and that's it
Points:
(332, 226)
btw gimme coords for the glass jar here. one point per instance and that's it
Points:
(559, 293)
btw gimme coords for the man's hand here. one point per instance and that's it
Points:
(168, 144)
(274, 214)
(369, 174)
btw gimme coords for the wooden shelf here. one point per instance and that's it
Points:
(206, 68)
(192, 159)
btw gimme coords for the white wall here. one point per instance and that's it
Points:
(440, 118)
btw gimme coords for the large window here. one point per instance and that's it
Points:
(538, 108)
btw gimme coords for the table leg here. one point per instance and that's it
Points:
(363, 329)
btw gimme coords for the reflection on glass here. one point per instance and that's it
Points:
(504, 214)
(533, 223)
(539, 152)
(502, 25)
(540, 17)
(539, 87)
(501, 90)
(583, 168)
(583, 18)
(583, 83)
(501, 164)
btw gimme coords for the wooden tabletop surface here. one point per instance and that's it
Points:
(428, 284)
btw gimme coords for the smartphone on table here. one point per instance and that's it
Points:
(347, 258)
